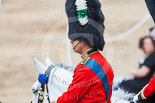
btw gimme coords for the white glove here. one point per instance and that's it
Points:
(135, 98)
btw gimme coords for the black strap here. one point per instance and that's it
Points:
(47, 95)
(42, 88)
(48, 71)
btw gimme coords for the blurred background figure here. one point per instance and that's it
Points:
(146, 67)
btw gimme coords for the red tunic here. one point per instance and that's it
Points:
(149, 89)
(86, 86)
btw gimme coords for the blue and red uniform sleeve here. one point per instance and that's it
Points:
(77, 88)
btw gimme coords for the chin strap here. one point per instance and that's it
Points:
(75, 44)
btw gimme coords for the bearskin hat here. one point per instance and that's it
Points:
(86, 22)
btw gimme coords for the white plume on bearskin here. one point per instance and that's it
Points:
(81, 5)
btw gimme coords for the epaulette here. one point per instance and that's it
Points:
(85, 61)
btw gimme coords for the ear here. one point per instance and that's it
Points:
(41, 68)
(48, 61)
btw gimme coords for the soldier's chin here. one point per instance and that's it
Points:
(76, 50)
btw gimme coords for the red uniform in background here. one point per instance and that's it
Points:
(147, 93)
(148, 90)
(92, 81)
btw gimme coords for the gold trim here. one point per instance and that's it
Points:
(93, 53)
(87, 50)
(86, 60)
(75, 44)
(85, 54)
(142, 95)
